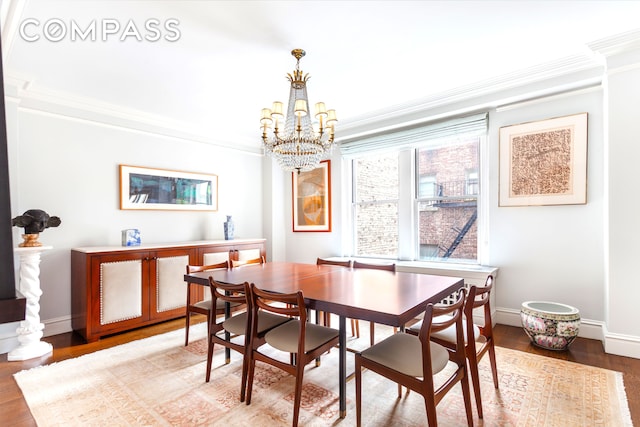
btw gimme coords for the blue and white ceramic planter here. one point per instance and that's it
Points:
(550, 325)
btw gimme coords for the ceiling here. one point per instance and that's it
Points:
(230, 58)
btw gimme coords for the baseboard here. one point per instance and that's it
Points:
(622, 345)
(9, 336)
(57, 326)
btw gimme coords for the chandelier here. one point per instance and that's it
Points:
(294, 143)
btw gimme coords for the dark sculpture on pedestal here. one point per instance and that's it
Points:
(34, 222)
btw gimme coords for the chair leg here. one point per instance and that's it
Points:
(298, 393)
(250, 373)
(209, 359)
(430, 406)
(494, 366)
(466, 396)
(186, 329)
(245, 369)
(475, 378)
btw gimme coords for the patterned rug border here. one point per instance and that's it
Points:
(191, 361)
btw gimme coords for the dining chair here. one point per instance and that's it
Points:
(387, 267)
(204, 306)
(239, 263)
(478, 339)
(237, 325)
(327, 316)
(413, 360)
(303, 340)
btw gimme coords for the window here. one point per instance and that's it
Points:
(375, 213)
(415, 192)
(447, 219)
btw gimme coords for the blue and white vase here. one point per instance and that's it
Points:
(228, 228)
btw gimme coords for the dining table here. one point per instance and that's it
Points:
(379, 296)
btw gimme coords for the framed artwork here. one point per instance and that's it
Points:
(311, 199)
(160, 189)
(544, 162)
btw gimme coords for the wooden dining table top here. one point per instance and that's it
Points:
(391, 298)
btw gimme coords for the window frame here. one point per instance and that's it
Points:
(408, 204)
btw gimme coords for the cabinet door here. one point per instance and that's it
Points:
(243, 252)
(167, 289)
(214, 254)
(119, 297)
(207, 256)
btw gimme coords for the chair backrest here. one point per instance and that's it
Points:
(388, 267)
(321, 261)
(255, 261)
(289, 305)
(440, 317)
(481, 293)
(232, 293)
(479, 296)
(198, 268)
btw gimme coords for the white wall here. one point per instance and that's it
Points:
(623, 153)
(69, 168)
(307, 246)
(551, 252)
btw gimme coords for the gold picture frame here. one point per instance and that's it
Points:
(544, 162)
(311, 199)
(144, 188)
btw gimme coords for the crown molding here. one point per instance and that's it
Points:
(88, 109)
(616, 44)
(546, 79)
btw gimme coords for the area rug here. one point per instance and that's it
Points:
(158, 381)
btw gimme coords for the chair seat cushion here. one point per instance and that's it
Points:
(285, 337)
(448, 334)
(237, 324)
(206, 304)
(403, 353)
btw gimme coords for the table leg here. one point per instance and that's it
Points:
(227, 335)
(342, 369)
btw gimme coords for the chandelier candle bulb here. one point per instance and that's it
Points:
(331, 117)
(266, 116)
(277, 110)
(321, 110)
(301, 107)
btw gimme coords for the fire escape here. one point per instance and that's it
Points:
(461, 232)
(460, 195)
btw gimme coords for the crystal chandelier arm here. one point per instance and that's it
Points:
(331, 123)
(321, 113)
(265, 120)
(277, 114)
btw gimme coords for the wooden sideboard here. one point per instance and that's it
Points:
(115, 288)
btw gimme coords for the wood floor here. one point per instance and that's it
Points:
(14, 410)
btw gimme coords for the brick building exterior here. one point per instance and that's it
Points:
(448, 189)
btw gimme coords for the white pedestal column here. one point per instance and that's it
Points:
(30, 329)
